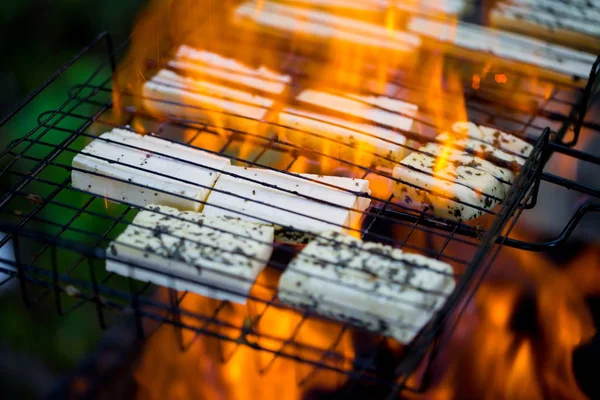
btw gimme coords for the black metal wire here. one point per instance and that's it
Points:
(101, 289)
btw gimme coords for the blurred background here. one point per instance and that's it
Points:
(36, 38)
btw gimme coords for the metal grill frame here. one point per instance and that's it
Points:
(137, 302)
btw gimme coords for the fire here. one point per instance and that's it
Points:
(516, 338)
(494, 353)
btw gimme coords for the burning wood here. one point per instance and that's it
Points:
(299, 205)
(218, 257)
(369, 285)
(477, 42)
(571, 23)
(142, 170)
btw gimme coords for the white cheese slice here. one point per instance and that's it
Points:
(362, 109)
(451, 7)
(358, 143)
(501, 140)
(206, 64)
(299, 205)
(504, 45)
(369, 285)
(170, 94)
(448, 193)
(324, 25)
(218, 257)
(480, 181)
(549, 19)
(480, 148)
(182, 177)
(503, 175)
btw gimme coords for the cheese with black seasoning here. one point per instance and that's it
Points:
(481, 149)
(142, 170)
(368, 285)
(500, 140)
(299, 205)
(460, 158)
(448, 191)
(218, 257)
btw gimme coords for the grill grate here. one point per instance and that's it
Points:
(41, 211)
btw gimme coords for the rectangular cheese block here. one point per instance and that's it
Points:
(501, 140)
(217, 257)
(574, 25)
(481, 149)
(368, 285)
(142, 170)
(460, 158)
(385, 111)
(375, 8)
(169, 94)
(358, 143)
(564, 63)
(419, 184)
(299, 205)
(321, 25)
(204, 64)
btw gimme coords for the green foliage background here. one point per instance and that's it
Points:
(36, 38)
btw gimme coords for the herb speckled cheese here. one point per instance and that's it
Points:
(222, 256)
(481, 149)
(418, 186)
(279, 198)
(369, 285)
(501, 140)
(111, 156)
(460, 158)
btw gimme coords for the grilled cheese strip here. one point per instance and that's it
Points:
(574, 25)
(504, 175)
(420, 185)
(556, 62)
(501, 140)
(222, 256)
(380, 7)
(182, 177)
(211, 65)
(369, 285)
(169, 94)
(299, 208)
(395, 113)
(358, 143)
(480, 148)
(322, 25)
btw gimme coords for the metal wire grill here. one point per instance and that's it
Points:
(41, 211)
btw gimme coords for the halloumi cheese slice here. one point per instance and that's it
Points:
(481, 149)
(501, 140)
(169, 94)
(556, 62)
(456, 193)
(368, 285)
(140, 170)
(206, 64)
(389, 112)
(322, 25)
(299, 205)
(460, 158)
(217, 257)
(358, 143)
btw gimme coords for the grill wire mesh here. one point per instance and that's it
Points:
(40, 210)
